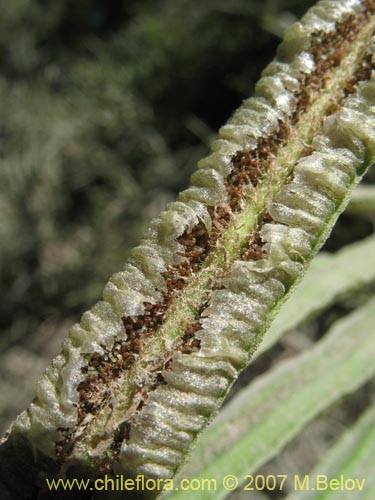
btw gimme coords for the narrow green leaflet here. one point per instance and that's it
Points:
(362, 201)
(352, 459)
(329, 277)
(257, 423)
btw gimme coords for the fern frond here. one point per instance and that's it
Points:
(148, 367)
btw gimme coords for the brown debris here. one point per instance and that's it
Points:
(249, 167)
(189, 342)
(254, 249)
(362, 74)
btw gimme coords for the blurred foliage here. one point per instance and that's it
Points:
(106, 107)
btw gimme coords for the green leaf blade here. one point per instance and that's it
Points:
(258, 422)
(352, 457)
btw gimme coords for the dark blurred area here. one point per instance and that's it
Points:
(106, 107)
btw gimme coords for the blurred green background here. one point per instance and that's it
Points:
(105, 109)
